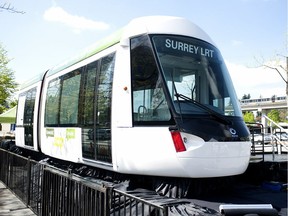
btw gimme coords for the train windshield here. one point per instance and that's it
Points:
(196, 76)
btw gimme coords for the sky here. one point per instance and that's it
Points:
(249, 34)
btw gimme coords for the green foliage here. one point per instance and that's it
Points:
(274, 115)
(283, 115)
(7, 81)
(248, 117)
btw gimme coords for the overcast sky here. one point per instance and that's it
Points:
(249, 33)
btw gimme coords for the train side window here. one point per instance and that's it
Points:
(89, 94)
(149, 103)
(103, 106)
(104, 91)
(87, 110)
(52, 102)
(70, 98)
(61, 106)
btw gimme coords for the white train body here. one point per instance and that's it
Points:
(117, 105)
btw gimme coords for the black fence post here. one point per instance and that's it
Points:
(28, 180)
(45, 194)
(108, 200)
(9, 169)
(165, 210)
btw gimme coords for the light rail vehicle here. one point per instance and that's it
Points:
(154, 98)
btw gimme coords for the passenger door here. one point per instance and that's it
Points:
(20, 140)
(25, 118)
(96, 117)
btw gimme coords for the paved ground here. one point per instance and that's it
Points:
(10, 204)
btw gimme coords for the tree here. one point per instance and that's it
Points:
(277, 68)
(7, 81)
(258, 116)
(282, 115)
(248, 117)
(280, 74)
(9, 8)
(274, 115)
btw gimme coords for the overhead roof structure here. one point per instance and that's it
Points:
(9, 116)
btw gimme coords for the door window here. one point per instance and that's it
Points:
(28, 115)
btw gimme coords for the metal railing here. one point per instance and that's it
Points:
(277, 143)
(50, 191)
(23, 176)
(257, 147)
(65, 194)
(130, 205)
(271, 139)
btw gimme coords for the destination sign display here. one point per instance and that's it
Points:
(189, 48)
(185, 46)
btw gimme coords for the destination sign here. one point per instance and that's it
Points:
(185, 46)
(189, 48)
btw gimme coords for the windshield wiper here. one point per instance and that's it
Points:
(213, 113)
